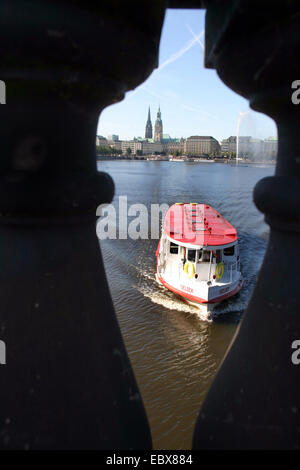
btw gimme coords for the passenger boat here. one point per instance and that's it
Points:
(198, 254)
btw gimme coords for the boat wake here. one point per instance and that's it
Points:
(230, 310)
(159, 295)
(139, 275)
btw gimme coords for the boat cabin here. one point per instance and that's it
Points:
(204, 259)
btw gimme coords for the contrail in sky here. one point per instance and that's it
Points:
(142, 87)
(174, 57)
(196, 38)
(182, 51)
(151, 92)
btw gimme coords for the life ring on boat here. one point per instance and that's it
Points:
(219, 270)
(189, 269)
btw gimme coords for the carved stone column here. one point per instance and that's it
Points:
(67, 382)
(254, 401)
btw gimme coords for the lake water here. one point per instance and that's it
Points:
(174, 352)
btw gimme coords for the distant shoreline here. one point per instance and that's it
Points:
(144, 158)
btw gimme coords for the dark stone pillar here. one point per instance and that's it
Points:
(254, 401)
(67, 382)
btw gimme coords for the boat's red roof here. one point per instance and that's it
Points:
(198, 224)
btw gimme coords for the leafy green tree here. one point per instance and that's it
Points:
(101, 150)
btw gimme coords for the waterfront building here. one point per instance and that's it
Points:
(115, 144)
(256, 149)
(171, 146)
(252, 148)
(244, 148)
(158, 129)
(225, 145)
(270, 146)
(148, 130)
(101, 141)
(200, 145)
(229, 145)
(134, 145)
(113, 138)
(146, 146)
(151, 147)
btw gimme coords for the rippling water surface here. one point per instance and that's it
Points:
(174, 352)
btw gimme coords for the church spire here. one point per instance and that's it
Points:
(148, 131)
(158, 130)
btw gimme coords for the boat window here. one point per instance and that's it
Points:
(173, 248)
(218, 256)
(229, 251)
(192, 255)
(206, 256)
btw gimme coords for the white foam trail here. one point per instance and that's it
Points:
(160, 298)
(159, 295)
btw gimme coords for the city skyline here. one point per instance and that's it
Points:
(159, 143)
(193, 99)
(150, 131)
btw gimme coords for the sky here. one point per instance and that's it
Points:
(193, 100)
